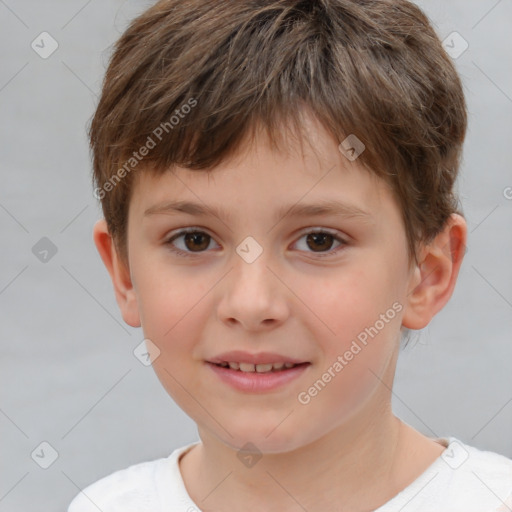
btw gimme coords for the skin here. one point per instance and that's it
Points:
(345, 446)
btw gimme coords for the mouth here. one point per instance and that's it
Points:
(258, 368)
(257, 377)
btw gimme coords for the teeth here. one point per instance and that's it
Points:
(259, 368)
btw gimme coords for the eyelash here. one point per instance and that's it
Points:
(187, 254)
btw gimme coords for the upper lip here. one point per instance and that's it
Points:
(239, 356)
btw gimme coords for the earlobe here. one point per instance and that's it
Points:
(432, 281)
(119, 274)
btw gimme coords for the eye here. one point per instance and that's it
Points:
(197, 241)
(323, 240)
(193, 239)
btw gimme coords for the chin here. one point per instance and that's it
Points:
(259, 440)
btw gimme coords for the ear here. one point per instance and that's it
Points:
(433, 280)
(119, 273)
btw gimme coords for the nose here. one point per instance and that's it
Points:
(253, 295)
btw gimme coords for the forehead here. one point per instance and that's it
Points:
(308, 170)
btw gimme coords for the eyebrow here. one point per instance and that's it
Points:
(325, 207)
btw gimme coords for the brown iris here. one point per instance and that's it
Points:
(319, 238)
(195, 239)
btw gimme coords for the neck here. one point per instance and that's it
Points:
(354, 466)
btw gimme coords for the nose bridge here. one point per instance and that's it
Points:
(251, 270)
(252, 293)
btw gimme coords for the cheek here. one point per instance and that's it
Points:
(170, 301)
(342, 304)
(174, 307)
(356, 318)
(171, 319)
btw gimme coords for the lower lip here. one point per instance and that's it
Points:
(257, 382)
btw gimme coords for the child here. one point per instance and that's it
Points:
(310, 150)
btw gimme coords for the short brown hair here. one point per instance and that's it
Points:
(370, 68)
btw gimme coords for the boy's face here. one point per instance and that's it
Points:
(308, 298)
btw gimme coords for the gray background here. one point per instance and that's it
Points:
(68, 373)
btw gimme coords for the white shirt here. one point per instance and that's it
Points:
(462, 479)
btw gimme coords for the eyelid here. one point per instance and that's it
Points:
(183, 231)
(315, 229)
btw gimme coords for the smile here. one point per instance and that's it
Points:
(257, 378)
(259, 368)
